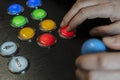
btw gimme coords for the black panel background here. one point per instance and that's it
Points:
(56, 63)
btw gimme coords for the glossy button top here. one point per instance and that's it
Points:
(18, 64)
(46, 40)
(8, 48)
(39, 14)
(34, 3)
(47, 25)
(15, 9)
(26, 33)
(93, 46)
(18, 21)
(65, 34)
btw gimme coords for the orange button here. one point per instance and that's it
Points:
(26, 33)
(47, 25)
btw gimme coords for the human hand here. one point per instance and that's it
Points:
(89, 9)
(103, 66)
(100, 66)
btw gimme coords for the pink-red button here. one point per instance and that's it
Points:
(46, 40)
(65, 34)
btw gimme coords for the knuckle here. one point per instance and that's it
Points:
(83, 11)
(90, 75)
(101, 61)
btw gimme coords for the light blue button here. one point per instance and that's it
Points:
(93, 46)
(18, 64)
(15, 9)
(8, 48)
(34, 3)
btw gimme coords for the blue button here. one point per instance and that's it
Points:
(8, 48)
(15, 9)
(18, 64)
(93, 46)
(34, 3)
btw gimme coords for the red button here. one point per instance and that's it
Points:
(46, 40)
(65, 34)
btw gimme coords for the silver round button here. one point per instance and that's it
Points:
(18, 64)
(8, 48)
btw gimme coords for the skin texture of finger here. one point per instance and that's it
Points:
(97, 75)
(104, 75)
(106, 30)
(81, 74)
(75, 8)
(116, 15)
(102, 11)
(87, 62)
(112, 42)
(100, 61)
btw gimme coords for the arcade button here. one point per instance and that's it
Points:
(47, 25)
(34, 3)
(18, 64)
(65, 34)
(93, 45)
(38, 14)
(46, 40)
(26, 33)
(8, 48)
(19, 21)
(15, 9)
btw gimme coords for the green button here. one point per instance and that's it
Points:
(19, 21)
(39, 14)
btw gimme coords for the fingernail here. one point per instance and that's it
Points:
(62, 24)
(109, 40)
(68, 29)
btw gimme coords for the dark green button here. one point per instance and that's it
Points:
(39, 14)
(19, 21)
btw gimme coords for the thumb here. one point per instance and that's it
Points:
(112, 42)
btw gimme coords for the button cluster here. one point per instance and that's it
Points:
(19, 64)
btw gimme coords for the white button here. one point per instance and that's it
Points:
(8, 48)
(18, 64)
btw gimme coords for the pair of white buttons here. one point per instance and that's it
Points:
(17, 64)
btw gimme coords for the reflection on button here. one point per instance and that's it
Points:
(19, 21)
(8, 48)
(34, 3)
(26, 33)
(18, 64)
(47, 25)
(38, 14)
(46, 40)
(15, 9)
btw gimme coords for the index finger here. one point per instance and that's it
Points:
(75, 8)
(101, 11)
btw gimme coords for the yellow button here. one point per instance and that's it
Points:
(26, 33)
(47, 25)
